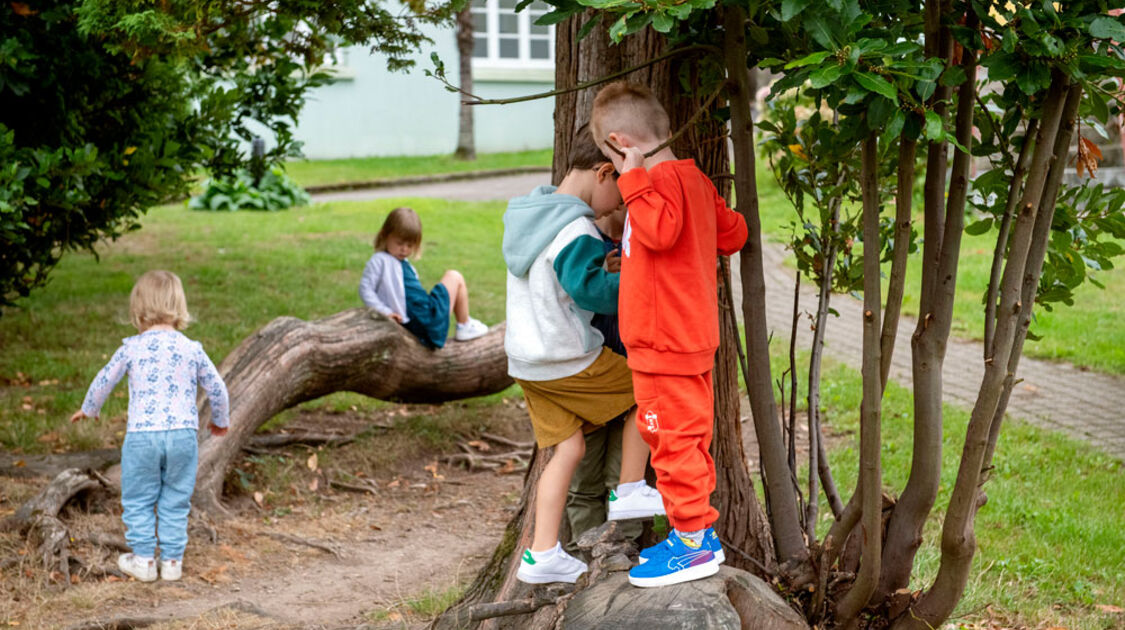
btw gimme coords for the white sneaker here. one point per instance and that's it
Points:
(643, 502)
(561, 567)
(470, 330)
(171, 570)
(143, 569)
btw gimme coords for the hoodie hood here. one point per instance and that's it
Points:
(532, 222)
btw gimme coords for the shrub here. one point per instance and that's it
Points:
(276, 191)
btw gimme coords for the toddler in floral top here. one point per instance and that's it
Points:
(160, 452)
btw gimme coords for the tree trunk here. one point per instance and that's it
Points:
(781, 495)
(466, 142)
(290, 361)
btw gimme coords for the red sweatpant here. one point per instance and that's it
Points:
(676, 416)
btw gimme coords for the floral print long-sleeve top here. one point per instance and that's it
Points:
(165, 368)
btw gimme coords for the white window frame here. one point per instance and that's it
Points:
(492, 13)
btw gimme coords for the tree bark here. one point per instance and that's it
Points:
(958, 543)
(904, 531)
(290, 361)
(780, 494)
(1034, 267)
(466, 141)
(870, 464)
(904, 198)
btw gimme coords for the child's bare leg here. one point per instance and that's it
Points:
(551, 492)
(458, 295)
(634, 451)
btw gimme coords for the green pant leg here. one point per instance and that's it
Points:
(615, 435)
(586, 498)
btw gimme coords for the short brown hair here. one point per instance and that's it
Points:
(629, 108)
(584, 153)
(158, 298)
(403, 223)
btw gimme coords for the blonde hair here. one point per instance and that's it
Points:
(628, 108)
(158, 298)
(403, 223)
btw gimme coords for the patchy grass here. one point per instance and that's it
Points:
(1067, 331)
(240, 270)
(320, 172)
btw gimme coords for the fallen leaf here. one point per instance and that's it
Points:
(508, 467)
(1110, 608)
(74, 579)
(312, 463)
(47, 438)
(314, 484)
(396, 483)
(259, 498)
(20, 463)
(480, 445)
(375, 527)
(432, 468)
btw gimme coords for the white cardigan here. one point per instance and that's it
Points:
(382, 287)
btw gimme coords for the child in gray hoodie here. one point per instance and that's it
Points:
(556, 282)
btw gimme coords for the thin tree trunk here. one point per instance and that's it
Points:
(1014, 189)
(1034, 268)
(781, 497)
(958, 543)
(870, 464)
(466, 142)
(904, 531)
(290, 361)
(904, 197)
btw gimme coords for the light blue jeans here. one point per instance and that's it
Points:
(157, 480)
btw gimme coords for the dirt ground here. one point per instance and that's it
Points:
(388, 559)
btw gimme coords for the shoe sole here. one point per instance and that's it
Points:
(550, 578)
(683, 575)
(720, 557)
(626, 515)
(137, 577)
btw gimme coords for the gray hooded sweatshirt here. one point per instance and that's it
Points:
(548, 336)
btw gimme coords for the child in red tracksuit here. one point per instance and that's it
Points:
(677, 225)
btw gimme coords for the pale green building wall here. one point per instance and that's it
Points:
(371, 111)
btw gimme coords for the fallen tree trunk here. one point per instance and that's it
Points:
(290, 361)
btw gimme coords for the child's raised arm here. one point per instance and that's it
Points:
(102, 385)
(655, 220)
(212, 383)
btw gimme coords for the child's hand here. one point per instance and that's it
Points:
(634, 158)
(218, 431)
(78, 415)
(613, 261)
(396, 317)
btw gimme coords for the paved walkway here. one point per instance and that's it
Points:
(1057, 396)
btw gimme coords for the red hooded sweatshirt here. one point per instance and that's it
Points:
(676, 226)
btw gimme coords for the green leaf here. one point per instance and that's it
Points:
(808, 60)
(954, 75)
(662, 22)
(821, 31)
(791, 8)
(926, 89)
(554, 17)
(980, 227)
(934, 126)
(874, 83)
(823, 77)
(1106, 27)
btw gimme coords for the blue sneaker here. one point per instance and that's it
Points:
(675, 561)
(710, 540)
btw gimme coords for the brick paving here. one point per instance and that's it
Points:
(1057, 396)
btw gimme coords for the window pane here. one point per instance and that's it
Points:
(540, 49)
(538, 5)
(480, 47)
(509, 48)
(509, 23)
(480, 4)
(508, 4)
(480, 23)
(537, 29)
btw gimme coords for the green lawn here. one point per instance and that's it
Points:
(319, 172)
(240, 270)
(1087, 334)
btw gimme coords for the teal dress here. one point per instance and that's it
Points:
(427, 313)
